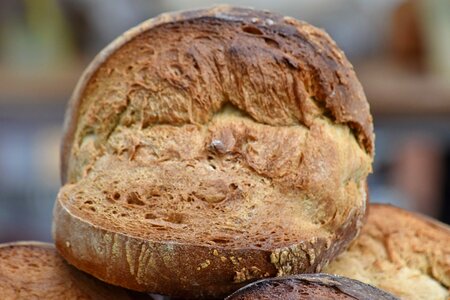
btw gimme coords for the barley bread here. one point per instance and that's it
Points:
(210, 148)
(401, 252)
(34, 270)
(310, 287)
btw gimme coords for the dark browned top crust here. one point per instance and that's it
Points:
(401, 252)
(229, 133)
(34, 270)
(310, 287)
(276, 69)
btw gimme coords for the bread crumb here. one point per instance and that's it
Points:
(248, 274)
(205, 264)
(234, 260)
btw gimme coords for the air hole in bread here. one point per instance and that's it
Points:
(134, 198)
(252, 30)
(271, 42)
(233, 186)
(109, 199)
(158, 191)
(150, 216)
(89, 202)
(220, 240)
(116, 196)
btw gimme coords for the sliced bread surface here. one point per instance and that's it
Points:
(34, 270)
(401, 252)
(210, 148)
(310, 287)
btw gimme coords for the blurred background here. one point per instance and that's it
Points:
(400, 50)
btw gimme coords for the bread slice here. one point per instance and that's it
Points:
(401, 252)
(310, 287)
(34, 270)
(207, 149)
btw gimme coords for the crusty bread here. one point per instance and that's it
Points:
(310, 287)
(34, 270)
(206, 149)
(401, 252)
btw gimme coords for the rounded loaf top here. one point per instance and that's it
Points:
(184, 67)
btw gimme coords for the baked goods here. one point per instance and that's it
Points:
(210, 148)
(401, 252)
(34, 270)
(310, 287)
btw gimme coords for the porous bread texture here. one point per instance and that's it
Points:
(310, 287)
(239, 135)
(252, 195)
(400, 252)
(34, 270)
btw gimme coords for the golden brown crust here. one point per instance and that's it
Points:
(327, 75)
(206, 122)
(180, 269)
(401, 252)
(35, 270)
(310, 287)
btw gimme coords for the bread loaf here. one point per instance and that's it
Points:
(310, 287)
(207, 149)
(34, 270)
(401, 252)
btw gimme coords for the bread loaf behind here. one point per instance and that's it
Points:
(34, 270)
(310, 287)
(401, 252)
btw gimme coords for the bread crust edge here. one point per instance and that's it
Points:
(186, 270)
